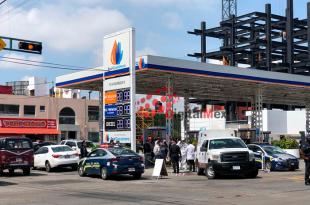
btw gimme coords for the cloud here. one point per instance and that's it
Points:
(181, 4)
(17, 61)
(172, 20)
(65, 29)
(146, 51)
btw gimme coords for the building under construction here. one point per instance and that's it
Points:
(261, 40)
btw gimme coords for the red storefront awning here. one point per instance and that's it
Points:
(29, 131)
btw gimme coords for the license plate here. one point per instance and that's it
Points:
(236, 168)
(67, 157)
(292, 163)
(131, 169)
(19, 160)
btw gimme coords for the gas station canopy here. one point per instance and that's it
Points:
(200, 80)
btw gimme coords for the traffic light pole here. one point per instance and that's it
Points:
(25, 46)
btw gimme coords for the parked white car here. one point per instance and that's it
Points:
(76, 145)
(52, 156)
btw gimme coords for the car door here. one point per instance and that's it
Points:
(40, 157)
(95, 161)
(202, 158)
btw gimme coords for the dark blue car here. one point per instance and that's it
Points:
(112, 161)
(274, 158)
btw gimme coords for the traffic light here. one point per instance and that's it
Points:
(31, 47)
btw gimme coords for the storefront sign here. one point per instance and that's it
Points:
(27, 123)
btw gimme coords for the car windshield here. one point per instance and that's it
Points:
(271, 150)
(18, 144)
(61, 149)
(121, 151)
(88, 144)
(226, 143)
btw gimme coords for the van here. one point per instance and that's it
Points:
(219, 152)
(16, 153)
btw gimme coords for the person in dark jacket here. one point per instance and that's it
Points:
(175, 154)
(83, 149)
(305, 155)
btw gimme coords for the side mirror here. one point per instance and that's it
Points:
(74, 148)
(259, 152)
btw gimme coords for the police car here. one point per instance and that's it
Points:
(111, 161)
(275, 159)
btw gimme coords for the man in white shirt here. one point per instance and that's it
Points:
(190, 157)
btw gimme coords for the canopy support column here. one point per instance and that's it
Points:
(101, 115)
(257, 113)
(186, 115)
(308, 118)
(169, 109)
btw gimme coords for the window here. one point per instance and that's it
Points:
(93, 113)
(42, 150)
(67, 116)
(29, 110)
(61, 149)
(18, 144)
(9, 109)
(42, 108)
(93, 136)
(71, 144)
(98, 153)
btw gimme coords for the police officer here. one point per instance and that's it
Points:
(305, 154)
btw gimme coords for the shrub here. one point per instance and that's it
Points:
(286, 143)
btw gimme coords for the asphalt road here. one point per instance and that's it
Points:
(64, 187)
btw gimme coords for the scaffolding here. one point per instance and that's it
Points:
(261, 40)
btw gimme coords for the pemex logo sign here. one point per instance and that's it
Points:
(116, 53)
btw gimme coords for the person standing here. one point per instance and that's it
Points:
(190, 157)
(305, 154)
(83, 149)
(147, 148)
(175, 154)
(156, 150)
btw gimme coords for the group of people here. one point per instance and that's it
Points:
(177, 153)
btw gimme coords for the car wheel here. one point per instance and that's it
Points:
(210, 173)
(1, 171)
(11, 171)
(137, 175)
(104, 173)
(200, 171)
(268, 165)
(26, 171)
(81, 171)
(253, 174)
(48, 167)
(74, 167)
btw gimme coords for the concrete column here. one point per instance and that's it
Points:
(101, 115)
(186, 120)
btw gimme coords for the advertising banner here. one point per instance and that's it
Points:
(117, 83)
(110, 97)
(119, 91)
(110, 110)
(121, 136)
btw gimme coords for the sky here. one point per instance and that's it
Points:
(72, 30)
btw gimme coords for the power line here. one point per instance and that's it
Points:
(43, 66)
(7, 17)
(2, 2)
(43, 62)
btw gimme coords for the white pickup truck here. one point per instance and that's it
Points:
(219, 152)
